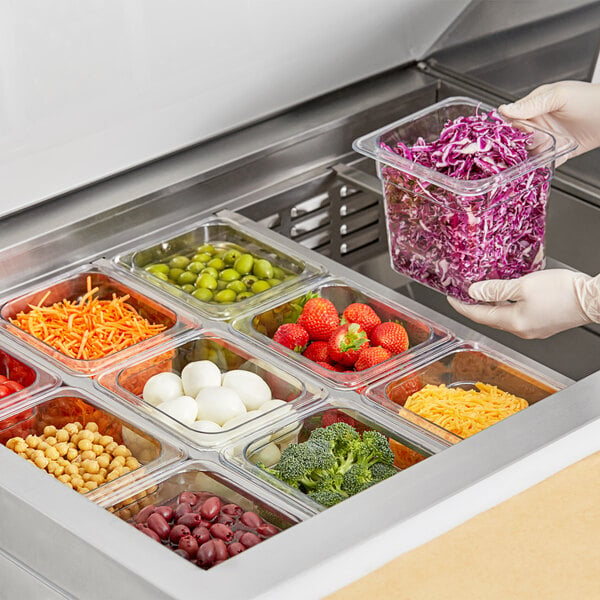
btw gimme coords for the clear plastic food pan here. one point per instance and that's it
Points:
(221, 267)
(447, 232)
(79, 438)
(423, 335)
(256, 389)
(29, 376)
(462, 367)
(76, 287)
(265, 448)
(213, 507)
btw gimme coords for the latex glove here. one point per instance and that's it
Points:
(537, 305)
(571, 108)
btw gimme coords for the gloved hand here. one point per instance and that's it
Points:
(536, 305)
(570, 108)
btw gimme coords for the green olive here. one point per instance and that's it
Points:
(244, 263)
(243, 296)
(263, 268)
(202, 294)
(231, 256)
(249, 280)
(221, 285)
(195, 266)
(186, 277)
(179, 262)
(216, 263)
(237, 286)
(210, 271)
(162, 276)
(205, 280)
(188, 288)
(202, 257)
(157, 268)
(225, 296)
(175, 273)
(278, 273)
(229, 275)
(273, 282)
(208, 248)
(260, 286)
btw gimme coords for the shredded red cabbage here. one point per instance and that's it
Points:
(448, 240)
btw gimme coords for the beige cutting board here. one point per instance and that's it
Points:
(542, 544)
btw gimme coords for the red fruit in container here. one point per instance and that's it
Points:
(150, 533)
(157, 523)
(391, 336)
(328, 366)
(188, 544)
(165, 511)
(251, 519)
(250, 539)
(187, 497)
(143, 515)
(232, 509)
(292, 336)
(228, 520)
(320, 318)
(335, 416)
(177, 532)
(190, 520)
(4, 378)
(15, 386)
(221, 553)
(372, 356)
(267, 530)
(4, 390)
(182, 509)
(222, 532)
(317, 352)
(346, 343)
(206, 555)
(235, 548)
(210, 508)
(362, 314)
(201, 533)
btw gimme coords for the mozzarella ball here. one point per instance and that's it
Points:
(250, 387)
(271, 404)
(162, 388)
(218, 404)
(240, 419)
(200, 374)
(268, 455)
(184, 409)
(206, 426)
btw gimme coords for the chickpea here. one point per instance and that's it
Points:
(113, 474)
(43, 445)
(49, 430)
(41, 462)
(71, 454)
(62, 448)
(21, 446)
(91, 466)
(118, 461)
(125, 514)
(105, 440)
(122, 451)
(32, 441)
(62, 435)
(92, 426)
(98, 449)
(52, 453)
(104, 460)
(71, 470)
(59, 470)
(103, 472)
(84, 434)
(90, 485)
(63, 462)
(84, 445)
(78, 425)
(71, 428)
(52, 465)
(51, 440)
(64, 478)
(88, 455)
(77, 481)
(97, 436)
(96, 477)
(125, 470)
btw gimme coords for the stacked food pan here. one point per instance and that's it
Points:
(88, 421)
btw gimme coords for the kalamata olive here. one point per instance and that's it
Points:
(201, 533)
(145, 513)
(220, 549)
(226, 520)
(165, 511)
(222, 532)
(237, 534)
(251, 519)
(235, 548)
(267, 529)
(182, 509)
(188, 544)
(206, 524)
(187, 498)
(190, 520)
(206, 555)
(210, 508)
(150, 533)
(232, 509)
(182, 553)
(177, 532)
(250, 539)
(158, 524)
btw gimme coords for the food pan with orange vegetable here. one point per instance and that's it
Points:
(462, 391)
(88, 319)
(327, 452)
(343, 333)
(79, 439)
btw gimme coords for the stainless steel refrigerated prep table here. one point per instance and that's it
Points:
(293, 181)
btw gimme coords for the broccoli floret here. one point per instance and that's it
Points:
(357, 479)
(340, 436)
(381, 471)
(327, 497)
(304, 464)
(375, 448)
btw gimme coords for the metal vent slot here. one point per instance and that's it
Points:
(307, 225)
(272, 221)
(361, 220)
(360, 201)
(360, 240)
(309, 206)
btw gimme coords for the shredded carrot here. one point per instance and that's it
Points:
(89, 328)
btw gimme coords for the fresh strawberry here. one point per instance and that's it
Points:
(330, 367)
(391, 336)
(362, 314)
(317, 352)
(336, 416)
(400, 391)
(369, 357)
(346, 342)
(320, 318)
(292, 336)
